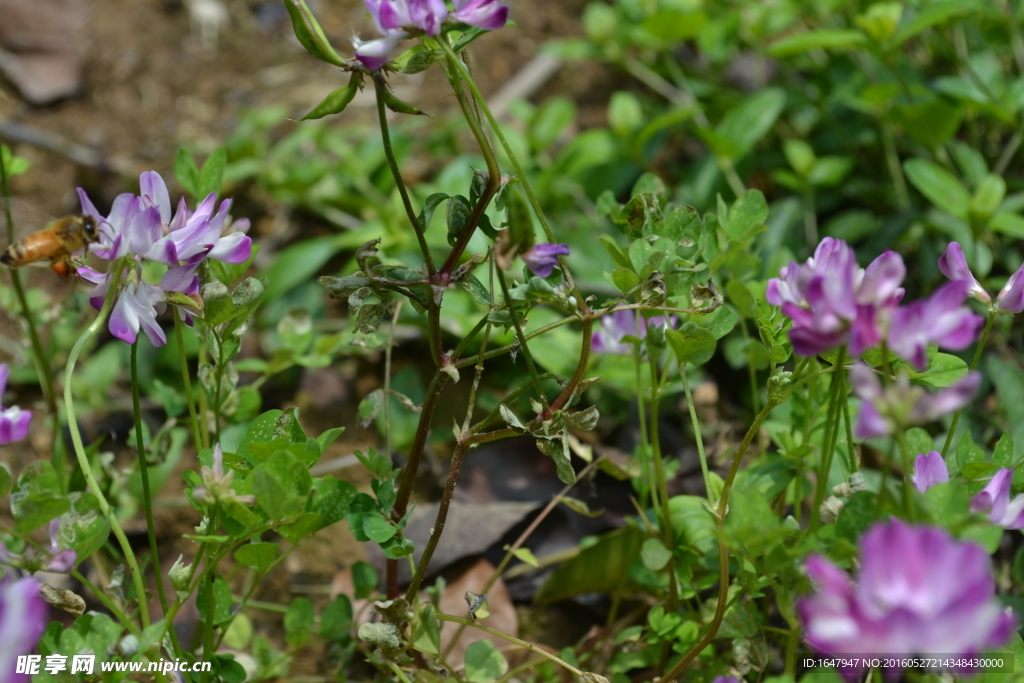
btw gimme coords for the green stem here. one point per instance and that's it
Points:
(107, 602)
(186, 381)
(379, 85)
(696, 433)
(83, 459)
(908, 467)
(974, 364)
(523, 346)
(147, 494)
(512, 639)
(208, 623)
(892, 159)
(39, 357)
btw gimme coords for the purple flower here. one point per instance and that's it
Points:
(143, 228)
(542, 258)
(61, 561)
(396, 20)
(614, 327)
(918, 591)
(725, 679)
(56, 560)
(832, 302)
(941, 319)
(486, 14)
(929, 470)
(1011, 297)
(953, 265)
(216, 484)
(901, 404)
(995, 500)
(23, 617)
(14, 421)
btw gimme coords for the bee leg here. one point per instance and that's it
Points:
(62, 266)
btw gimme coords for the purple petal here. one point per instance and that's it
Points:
(543, 258)
(23, 616)
(865, 383)
(1011, 298)
(948, 400)
(154, 194)
(235, 248)
(869, 423)
(929, 470)
(953, 265)
(4, 374)
(375, 53)
(995, 497)
(63, 562)
(486, 14)
(124, 323)
(881, 279)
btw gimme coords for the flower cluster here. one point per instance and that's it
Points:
(901, 405)
(542, 258)
(56, 560)
(833, 303)
(14, 421)
(620, 324)
(396, 20)
(918, 591)
(216, 486)
(23, 616)
(953, 265)
(143, 227)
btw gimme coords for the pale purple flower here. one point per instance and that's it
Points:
(542, 258)
(929, 470)
(485, 14)
(953, 265)
(61, 561)
(396, 20)
(217, 484)
(23, 616)
(143, 228)
(901, 404)
(832, 302)
(995, 500)
(918, 591)
(1011, 297)
(14, 421)
(615, 327)
(725, 679)
(940, 319)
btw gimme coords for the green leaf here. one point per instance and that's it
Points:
(748, 122)
(988, 196)
(1009, 380)
(36, 497)
(427, 635)
(719, 323)
(944, 370)
(336, 619)
(83, 527)
(948, 503)
(1002, 454)
(856, 516)
(817, 40)
(281, 485)
(484, 663)
(600, 568)
(364, 578)
(336, 102)
(749, 209)
(940, 186)
(331, 500)
(930, 15)
(259, 556)
(5, 479)
(932, 123)
(526, 555)
(654, 554)
(298, 622)
(212, 174)
(1009, 224)
(691, 344)
(309, 33)
(377, 528)
(221, 601)
(186, 171)
(968, 452)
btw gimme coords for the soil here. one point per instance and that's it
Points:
(149, 87)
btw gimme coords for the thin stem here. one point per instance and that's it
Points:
(810, 217)
(39, 356)
(510, 553)
(83, 459)
(198, 436)
(523, 346)
(892, 159)
(379, 85)
(974, 364)
(208, 623)
(392, 564)
(147, 494)
(723, 553)
(696, 433)
(908, 494)
(107, 602)
(828, 444)
(512, 639)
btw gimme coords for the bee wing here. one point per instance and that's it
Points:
(26, 217)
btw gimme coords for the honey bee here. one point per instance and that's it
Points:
(56, 242)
